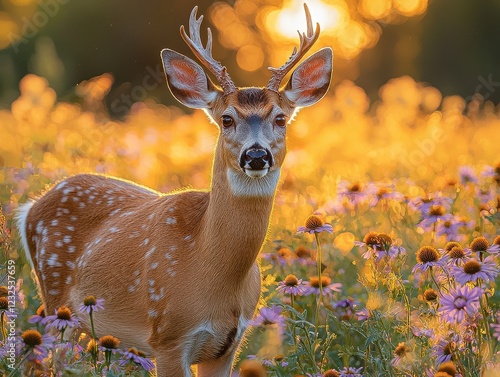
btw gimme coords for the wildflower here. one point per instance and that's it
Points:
(314, 224)
(423, 204)
(303, 252)
(496, 329)
(434, 214)
(138, 358)
(496, 241)
(328, 288)
(39, 317)
(400, 352)
(449, 227)
(252, 368)
(379, 245)
(92, 346)
(456, 256)
(473, 269)
(427, 257)
(109, 342)
(91, 304)
(351, 372)
(331, 373)
(354, 193)
(467, 175)
(481, 245)
(384, 193)
(36, 344)
(443, 351)
(485, 195)
(4, 303)
(458, 303)
(448, 367)
(291, 286)
(270, 317)
(430, 295)
(62, 319)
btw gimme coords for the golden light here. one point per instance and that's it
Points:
(375, 9)
(289, 19)
(250, 57)
(410, 7)
(8, 30)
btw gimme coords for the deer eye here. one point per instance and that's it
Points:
(280, 120)
(227, 121)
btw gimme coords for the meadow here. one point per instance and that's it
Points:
(382, 257)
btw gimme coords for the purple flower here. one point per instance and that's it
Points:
(434, 215)
(423, 204)
(443, 351)
(351, 372)
(459, 302)
(474, 269)
(485, 195)
(39, 317)
(91, 304)
(427, 257)
(449, 227)
(291, 286)
(488, 172)
(467, 174)
(384, 192)
(353, 193)
(62, 319)
(314, 224)
(327, 287)
(496, 330)
(36, 345)
(270, 317)
(137, 357)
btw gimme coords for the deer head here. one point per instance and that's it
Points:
(252, 121)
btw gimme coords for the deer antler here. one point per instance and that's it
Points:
(306, 42)
(204, 54)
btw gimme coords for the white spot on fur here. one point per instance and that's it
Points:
(68, 279)
(67, 239)
(171, 220)
(151, 215)
(151, 282)
(188, 237)
(136, 273)
(59, 244)
(145, 242)
(71, 249)
(152, 313)
(168, 256)
(66, 191)
(70, 265)
(70, 228)
(64, 199)
(54, 292)
(150, 252)
(154, 265)
(39, 227)
(54, 222)
(56, 274)
(60, 185)
(114, 230)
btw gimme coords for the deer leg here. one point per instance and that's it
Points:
(220, 367)
(170, 363)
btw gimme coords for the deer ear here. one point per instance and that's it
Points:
(311, 79)
(187, 81)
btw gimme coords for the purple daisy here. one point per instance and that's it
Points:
(385, 192)
(137, 357)
(270, 316)
(427, 257)
(36, 345)
(314, 224)
(353, 193)
(423, 204)
(351, 372)
(474, 269)
(62, 319)
(496, 329)
(327, 287)
(443, 351)
(291, 286)
(467, 175)
(449, 227)
(485, 195)
(91, 304)
(458, 303)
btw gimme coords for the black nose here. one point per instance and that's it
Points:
(256, 158)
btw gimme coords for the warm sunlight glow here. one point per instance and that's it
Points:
(250, 58)
(331, 17)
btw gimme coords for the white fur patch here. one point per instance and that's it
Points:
(243, 185)
(22, 214)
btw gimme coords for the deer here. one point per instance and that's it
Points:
(178, 271)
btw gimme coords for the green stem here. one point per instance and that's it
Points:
(94, 352)
(320, 297)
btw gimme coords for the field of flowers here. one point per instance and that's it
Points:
(383, 252)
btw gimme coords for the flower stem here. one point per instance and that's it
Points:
(320, 298)
(94, 352)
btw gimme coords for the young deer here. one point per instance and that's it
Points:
(178, 271)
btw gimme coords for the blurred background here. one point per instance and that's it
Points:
(452, 45)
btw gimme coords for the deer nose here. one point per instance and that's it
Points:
(256, 158)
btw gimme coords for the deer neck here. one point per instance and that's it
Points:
(237, 219)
